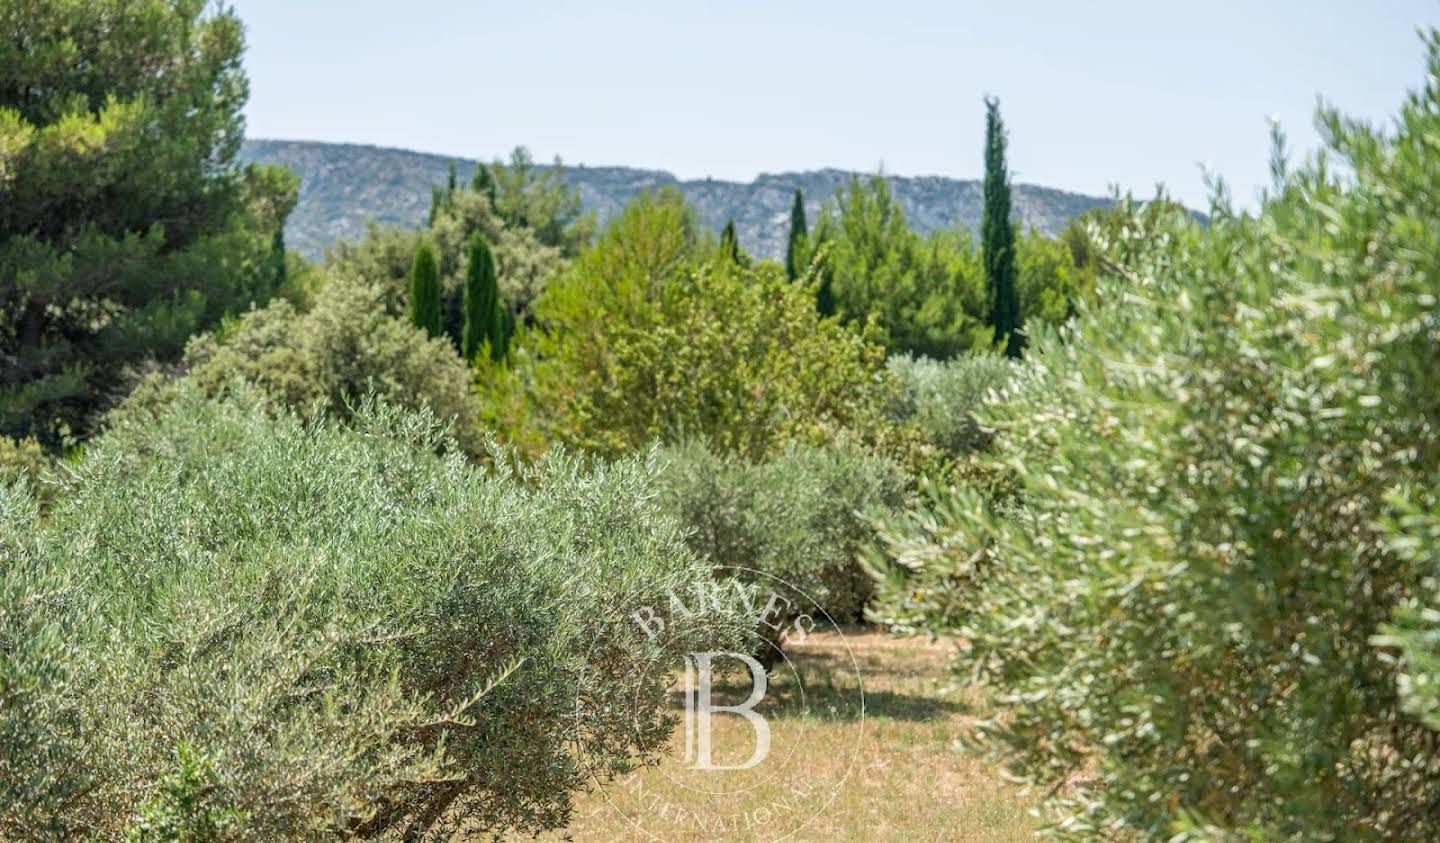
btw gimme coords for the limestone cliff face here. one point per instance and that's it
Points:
(346, 185)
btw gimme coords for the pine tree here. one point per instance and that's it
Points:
(998, 236)
(120, 178)
(485, 313)
(798, 231)
(425, 290)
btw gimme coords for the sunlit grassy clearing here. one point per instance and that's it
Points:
(906, 781)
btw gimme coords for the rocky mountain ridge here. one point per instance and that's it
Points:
(347, 185)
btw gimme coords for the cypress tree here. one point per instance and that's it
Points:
(437, 199)
(825, 296)
(997, 236)
(277, 255)
(730, 245)
(798, 232)
(425, 290)
(484, 182)
(820, 244)
(443, 198)
(484, 312)
(504, 328)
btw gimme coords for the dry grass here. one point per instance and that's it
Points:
(832, 774)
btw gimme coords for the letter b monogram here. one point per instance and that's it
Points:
(699, 708)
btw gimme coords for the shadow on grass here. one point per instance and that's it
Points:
(827, 690)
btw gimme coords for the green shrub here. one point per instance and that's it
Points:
(345, 347)
(24, 461)
(800, 516)
(649, 338)
(940, 397)
(349, 635)
(1185, 613)
(182, 810)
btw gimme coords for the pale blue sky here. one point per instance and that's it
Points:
(1127, 92)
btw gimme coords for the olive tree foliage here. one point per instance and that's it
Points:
(941, 397)
(1111, 235)
(241, 624)
(802, 516)
(328, 359)
(650, 337)
(1414, 633)
(126, 223)
(1217, 599)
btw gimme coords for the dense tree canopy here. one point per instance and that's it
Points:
(541, 200)
(530, 218)
(923, 292)
(329, 358)
(126, 224)
(650, 337)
